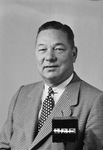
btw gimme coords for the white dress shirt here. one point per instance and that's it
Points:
(58, 91)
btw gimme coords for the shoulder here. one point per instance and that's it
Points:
(29, 87)
(89, 97)
(23, 92)
(32, 85)
(86, 88)
(90, 94)
(89, 88)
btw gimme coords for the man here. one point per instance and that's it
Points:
(26, 128)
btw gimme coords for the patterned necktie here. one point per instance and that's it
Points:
(47, 107)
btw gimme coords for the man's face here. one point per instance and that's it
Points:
(54, 56)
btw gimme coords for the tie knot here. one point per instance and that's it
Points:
(50, 91)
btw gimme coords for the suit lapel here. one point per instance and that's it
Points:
(31, 112)
(62, 108)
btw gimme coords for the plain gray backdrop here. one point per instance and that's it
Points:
(19, 21)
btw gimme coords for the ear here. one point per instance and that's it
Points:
(74, 53)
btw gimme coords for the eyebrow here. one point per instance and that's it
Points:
(56, 44)
(59, 44)
(40, 44)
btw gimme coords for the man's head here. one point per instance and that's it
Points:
(58, 26)
(55, 52)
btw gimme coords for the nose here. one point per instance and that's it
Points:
(50, 55)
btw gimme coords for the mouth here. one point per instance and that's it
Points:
(50, 67)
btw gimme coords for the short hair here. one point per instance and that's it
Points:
(59, 26)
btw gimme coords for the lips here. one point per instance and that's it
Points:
(53, 66)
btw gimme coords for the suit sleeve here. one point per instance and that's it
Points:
(7, 131)
(94, 128)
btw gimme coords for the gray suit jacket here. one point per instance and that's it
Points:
(79, 99)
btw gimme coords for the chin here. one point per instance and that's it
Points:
(50, 77)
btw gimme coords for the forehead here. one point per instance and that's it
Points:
(51, 35)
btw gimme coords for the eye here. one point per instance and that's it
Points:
(59, 49)
(42, 49)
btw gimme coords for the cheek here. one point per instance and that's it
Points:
(65, 59)
(39, 59)
(66, 62)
